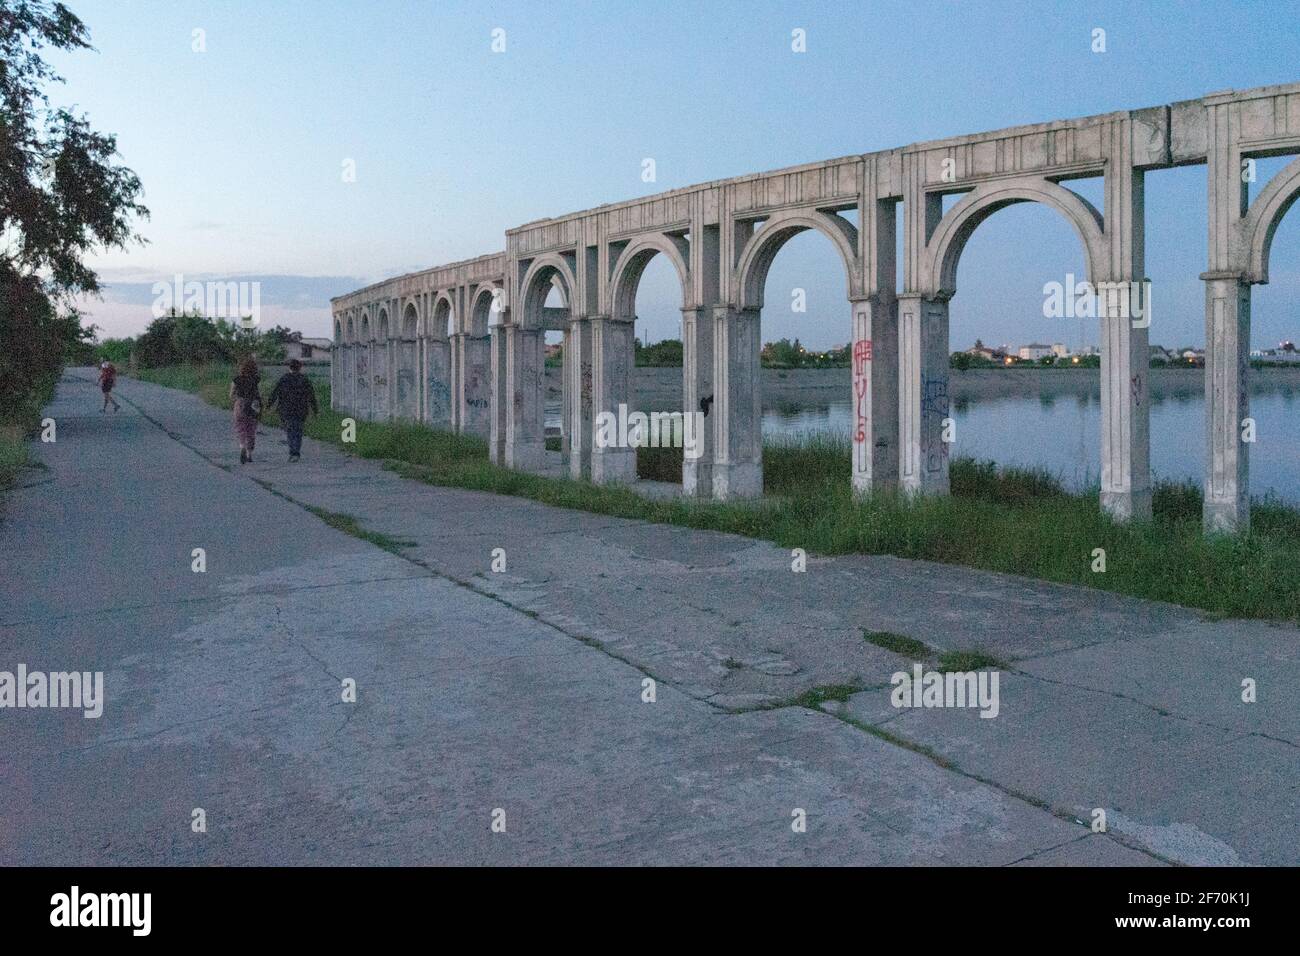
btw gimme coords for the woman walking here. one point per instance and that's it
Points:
(107, 379)
(247, 402)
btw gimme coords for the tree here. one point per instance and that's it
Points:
(62, 196)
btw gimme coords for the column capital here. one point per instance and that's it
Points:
(1238, 275)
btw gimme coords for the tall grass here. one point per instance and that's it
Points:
(19, 419)
(1019, 521)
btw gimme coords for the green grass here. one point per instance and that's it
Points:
(18, 421)
(348, 524)
(13, 454)
(963, 661)
(1017, 521)
(898, 643)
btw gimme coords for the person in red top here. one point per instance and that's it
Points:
(107, 379)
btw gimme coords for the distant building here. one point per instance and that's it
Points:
(1161, 354)
(1034, 351)
(308, 350)
(1059, 350)
(1285, 354)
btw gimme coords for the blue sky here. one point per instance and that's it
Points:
(241, 146)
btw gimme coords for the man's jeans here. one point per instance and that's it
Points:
(293, 428)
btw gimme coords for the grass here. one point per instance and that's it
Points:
(964, 661)
(348, 524)
(1017, 521)
(17, 422)
(898, 643)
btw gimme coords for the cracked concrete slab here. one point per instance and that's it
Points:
(523, 689)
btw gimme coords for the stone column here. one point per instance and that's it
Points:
(874, 357)
(1125, 406)
(361, 403)
(475, 385)
(697, 401)
(336, 353)
(456, 381)
(922, 393)
(499, 403)
(612, 354)
(737, 409)
(1227, 403)
(525, 445)
(578, 371)
(348, 399)
(437, 388)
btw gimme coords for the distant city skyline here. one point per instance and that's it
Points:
(240, 143)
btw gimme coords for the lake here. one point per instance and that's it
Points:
(1063, 435)
(1045, 418)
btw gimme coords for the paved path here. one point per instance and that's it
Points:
(523, 690)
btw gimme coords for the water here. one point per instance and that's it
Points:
(1062, 434)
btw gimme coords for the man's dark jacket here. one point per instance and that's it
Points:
(293, 395)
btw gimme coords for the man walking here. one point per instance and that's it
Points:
(294, 397)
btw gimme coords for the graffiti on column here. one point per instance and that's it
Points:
(934, 409)
(585, 389)
(1135, 384)
(861, 382)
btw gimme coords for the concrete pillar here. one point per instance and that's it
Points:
(525, 444)
(874, 399)
(437, 386)
(737, 409)
(1125, 410)
(456, 381)
(698, 398)
(336, 354)
(1227, 403)
(361, 404)
(379, 406)
(579, 369)
(474, 387)
(922, 393)
(612, 353)
(408, 380)
(347, 400)
(500, 403)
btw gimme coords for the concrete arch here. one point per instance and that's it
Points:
(365, 327)
(1265, 214)
(944, 249)
(350, 331)
(338, 332)
(383, 329)
(480, 311)
(632, 264)
(410, 321)
(444, 318)
(535, 287)
(762, 248)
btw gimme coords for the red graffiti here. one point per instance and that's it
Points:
(861, 382)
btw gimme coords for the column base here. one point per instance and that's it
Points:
(697, 479)
(1225, 517)
(613, 466)
(1124, 506)
(737, 480)
(525, 455)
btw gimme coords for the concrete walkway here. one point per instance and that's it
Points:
(523, 691)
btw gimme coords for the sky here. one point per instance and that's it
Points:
(241, 117)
